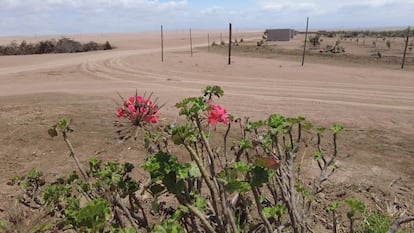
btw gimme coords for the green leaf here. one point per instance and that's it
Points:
(275, 212)
(94, 217)
(337, 128)
(173, 184)
(63, 124)
(128, 167)
(267, 142)
(194, 171)
(276, 121)
(307, 194)
(192, 107)
(356, 205)
(35, 174)
(241, 167)
(200, 203)
(213, 90)
(317, 155)
(54, 194)
(320, 130)
(333, 206)
(254, 125)
(245, 144)
(237, 186)
(182, 172)
(259, 176)
(183, 134)
(155, 189)
(307, 126)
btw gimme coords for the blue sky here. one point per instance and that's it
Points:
(37, 17)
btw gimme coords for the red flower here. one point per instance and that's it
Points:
(267, 162)
(217, 114)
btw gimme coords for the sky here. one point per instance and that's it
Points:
(39, 17)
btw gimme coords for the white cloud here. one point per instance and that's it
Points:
(324, 6)
(89, 16)
(311, 7)
(375, 3)
(214, 10)
(108, 4)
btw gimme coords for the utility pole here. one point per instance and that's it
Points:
(191, 44)
(306, 38)
(208, 42)
(162, 45)
(405, 49)
(229, 43)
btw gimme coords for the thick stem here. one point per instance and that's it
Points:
(72, 154)
(335, 224)
(397, 223)
(351, 226)
(266, 222)
(210, 185)
(225, 145)
(134, 200)
(197, 213)
(119, 203)
(292, 189)
(229, 213)
(207, 145)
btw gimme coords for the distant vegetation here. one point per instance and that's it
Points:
(367, 33)
(64, 45)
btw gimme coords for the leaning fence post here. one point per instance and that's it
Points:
(405, 49)
(306, 38)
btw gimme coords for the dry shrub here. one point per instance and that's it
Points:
(63, 45)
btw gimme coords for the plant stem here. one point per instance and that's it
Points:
(119, 203)
(397, 223)
(210, 185)
(197, 213)
(72, 154)
(260, 210)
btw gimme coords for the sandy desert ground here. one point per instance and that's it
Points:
(376, 105)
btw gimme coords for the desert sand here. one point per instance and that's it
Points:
(375, 104)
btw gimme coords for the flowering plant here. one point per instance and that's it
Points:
(139, 110)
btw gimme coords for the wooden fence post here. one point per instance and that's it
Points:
(208, 42)
(405, 49)
(191, 44)
(306, 38)
(162, 45)
(229, 43)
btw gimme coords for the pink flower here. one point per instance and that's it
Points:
(120, 112)
(217, 114)
(131, 108)
(139, 111)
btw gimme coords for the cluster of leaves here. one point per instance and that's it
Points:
(63, 45)
(95, 205)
